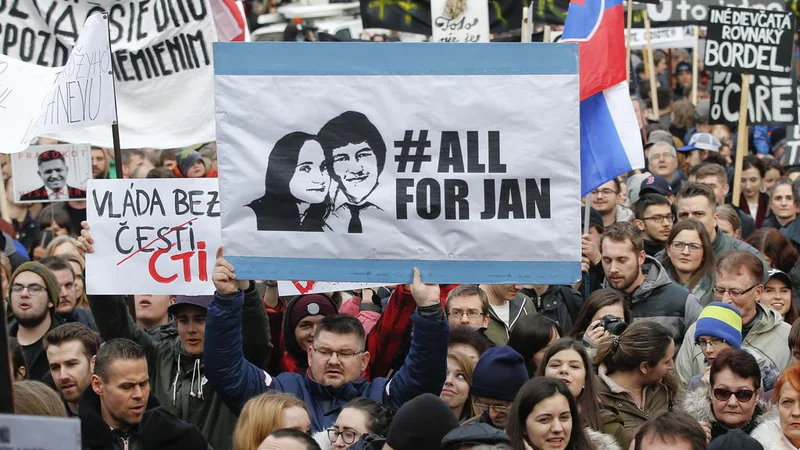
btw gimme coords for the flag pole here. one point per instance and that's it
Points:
(526, 26)
(741, 140)
(651, 67)
(628, 43)
(115, 124)
(695, 63)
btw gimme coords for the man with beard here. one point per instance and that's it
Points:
(644, 282)
(53, 171)
(34, 299)
(70, 349)
(654, 218)
(68, 294)
(100, 163)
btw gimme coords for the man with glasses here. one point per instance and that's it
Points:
(498, 376)
(663, 161)
(605, 199)
(654, 218)
(739, 282)
(68, 295)
(467, 306)
(34, 299)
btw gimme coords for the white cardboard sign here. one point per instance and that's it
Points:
(469, 25)
(51, 173)
(312, 287)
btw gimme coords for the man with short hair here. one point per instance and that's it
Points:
(131, 159)
(641, 279)
(467, 306)
(68, 295)
(152, 315)
(288, 439)
(663, 161)
(654, 218)
(715, 177)
(34, 294)
(53, 171)
(739, 281)
(655, 184)
(100, 164)
(118, 413)
(698, 201)
(70, 349)
(670, 431)
(496, 380)
(506, 306)
(337, 359)
(605, 199)
(699, 148)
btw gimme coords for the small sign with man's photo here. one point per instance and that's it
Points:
(51, 173)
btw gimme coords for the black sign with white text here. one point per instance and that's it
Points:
(772, 100)
(750, 41)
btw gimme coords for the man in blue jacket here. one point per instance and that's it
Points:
(337, 359)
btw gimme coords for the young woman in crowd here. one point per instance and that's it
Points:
(729, 222)
(360, 419)
(545, 416)
(300, 318)
(589, 325)
(63, 246)
(531, 336)
(266, 413)
(689, 259)
(786, 434)
(753, 200)
(773, 171)
(634, 370)
(455, 392)
(469, 342)
(778, 295)
(731, 399)
(34, 398)
(566, 360)
(776, 248)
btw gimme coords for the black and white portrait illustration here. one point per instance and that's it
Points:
(51, 173)
(323, 181)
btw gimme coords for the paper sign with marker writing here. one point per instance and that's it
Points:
(460, 20)
(17, 433)
(312, 287)
(153, 236)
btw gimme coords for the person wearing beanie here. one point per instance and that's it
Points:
(735, 440)
(300, 319)
(34, 294)
(498, 376)
(189, 164)
(473, 435)
(718, 327)
(421, 423)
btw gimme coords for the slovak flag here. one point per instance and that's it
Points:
(610, 141)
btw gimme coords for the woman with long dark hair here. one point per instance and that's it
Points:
(689, 259)
(297, 186)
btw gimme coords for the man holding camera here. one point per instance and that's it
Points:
(644, 282)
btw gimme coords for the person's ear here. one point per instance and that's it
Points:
(642, 257)
(22, 373)
(364, 361)
(310, 352)
(639, 224)
(97, 384)
(725, 189)
(644, 367)
(486, 319)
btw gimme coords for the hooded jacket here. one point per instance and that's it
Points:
(178, 379)
(661, 300)
(601, 441)
(560, 303)
(158, 430)
(697, 403)
(237, 380)
(768, 340)
(497, 331)
(770, 435)
(724, 243)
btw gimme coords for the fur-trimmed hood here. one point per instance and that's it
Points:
(770, 435)
(602, 441)
(697, 404)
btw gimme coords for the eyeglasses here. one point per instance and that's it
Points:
(656, 157)
(680, 246)
(32, 288)
(495, 408)
(457, 314)
(711, 342)
(724, 395)
(605, 192)
(735, 293)
(662, 219)
(342, 354)
(347, 436)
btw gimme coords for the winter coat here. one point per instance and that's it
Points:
(497, 331)
(792, 232)
(178, 379)
(763, 208)
(560, 303)
(770, 435)
(601, 441)
(80, 315)
(163, 332)
(237, 380)
(38, 366)
(661, 300)
(768, 340)
(724, 243)
(697, 404)
(158, 430)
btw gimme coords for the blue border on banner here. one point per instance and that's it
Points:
(351, 58)
(400, 271)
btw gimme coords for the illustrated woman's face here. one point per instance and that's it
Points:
(310, 181)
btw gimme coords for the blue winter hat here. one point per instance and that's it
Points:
(722, 321)
(499, 374)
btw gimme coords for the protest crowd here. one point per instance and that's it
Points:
(683, 332)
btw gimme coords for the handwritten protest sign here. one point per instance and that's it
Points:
(19, 432)
(749, 41)
(696, 12)
(671, 37)
(417, 158)
(460, 21)
(313, 287)
(160, 51)
(772, 100)
(153, 236)
(415, 16)
(791, 155)
(51, 173)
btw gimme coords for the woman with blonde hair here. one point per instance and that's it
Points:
(455, 391)
(266, 413)
(63, 246)
(34, 398)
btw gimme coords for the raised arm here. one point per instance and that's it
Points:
(389, 334)
(255, 328)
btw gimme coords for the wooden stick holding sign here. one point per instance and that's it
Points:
(526, 26)
(651, 67)
(115, 124)
(695, 63)
(628, 44)
(741, 140)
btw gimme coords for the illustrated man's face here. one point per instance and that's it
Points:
(54, 174)
(356, 167)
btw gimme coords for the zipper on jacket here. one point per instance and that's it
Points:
(125, 443)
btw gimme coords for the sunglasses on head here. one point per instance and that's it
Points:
(723, 395)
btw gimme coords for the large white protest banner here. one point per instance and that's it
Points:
(772, 100)
(312, 287)
(19, 432)
(749, 41)
(695, 12)
(378, 160)
(153, 236)
(160, 55)
(48, 173)
(460, 20)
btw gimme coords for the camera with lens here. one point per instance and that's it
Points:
(613, 324)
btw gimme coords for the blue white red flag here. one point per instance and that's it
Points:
(610, 140)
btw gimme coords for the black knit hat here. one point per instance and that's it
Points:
(735, 440)
(50, 281)
(421, 424)
(477, 433)
(499, 374)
